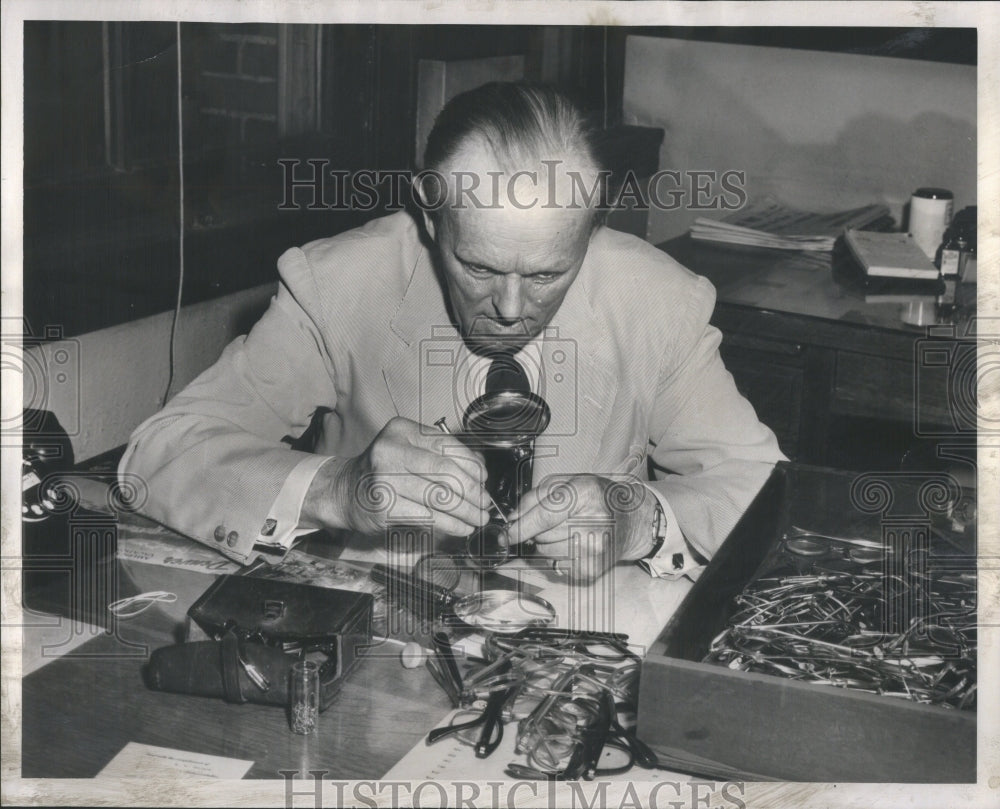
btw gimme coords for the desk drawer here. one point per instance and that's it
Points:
(737, 724)
(877, 387)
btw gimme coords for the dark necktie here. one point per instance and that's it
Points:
(506, 374)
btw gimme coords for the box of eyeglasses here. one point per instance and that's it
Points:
(831, 638)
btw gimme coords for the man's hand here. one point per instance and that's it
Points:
(405, 472)
(588, 520)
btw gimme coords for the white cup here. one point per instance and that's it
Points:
(930, 214)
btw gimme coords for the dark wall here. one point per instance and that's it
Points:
(102, 229)
(102, 226)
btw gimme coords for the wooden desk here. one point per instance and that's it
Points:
(81, 709)
(818, 362)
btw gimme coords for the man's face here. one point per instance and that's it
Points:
(507, 269)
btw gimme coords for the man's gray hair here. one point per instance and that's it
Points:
(521, 123)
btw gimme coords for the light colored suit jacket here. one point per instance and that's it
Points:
(359, 326)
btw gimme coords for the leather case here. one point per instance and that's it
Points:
(279, 611)
(260, 628)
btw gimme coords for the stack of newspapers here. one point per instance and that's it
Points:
(769, 223)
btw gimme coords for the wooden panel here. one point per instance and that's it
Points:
(438, 81)
(763, 726)
(298, 98)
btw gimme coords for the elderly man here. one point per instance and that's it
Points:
(385, 328)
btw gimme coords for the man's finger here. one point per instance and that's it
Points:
(473, 467)
(528, 501)
(444, 494)
(438, 470)
(453, 447)
(446, 523)
(555, 549)
(535, 523)
(559, 533)
(558, 494)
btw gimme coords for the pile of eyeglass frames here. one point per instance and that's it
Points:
(845, 612)
(572, 694)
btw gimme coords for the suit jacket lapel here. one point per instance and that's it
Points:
(419, 368)
(581, 383)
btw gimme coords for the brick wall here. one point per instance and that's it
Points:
(238, 84)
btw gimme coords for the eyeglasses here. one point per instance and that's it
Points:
(567, 692)
(575, 731)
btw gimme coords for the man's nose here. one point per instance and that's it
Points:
(508, 297)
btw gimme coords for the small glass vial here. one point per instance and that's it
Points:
(303, 691)
(950, 260)
(951, 255)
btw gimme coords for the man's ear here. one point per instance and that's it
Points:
(420, 193)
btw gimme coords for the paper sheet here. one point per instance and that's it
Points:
(146, 542)
(136, 760)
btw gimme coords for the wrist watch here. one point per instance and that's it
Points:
(659, 531)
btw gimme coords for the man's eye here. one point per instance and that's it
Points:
(479, 272)
(545, 277)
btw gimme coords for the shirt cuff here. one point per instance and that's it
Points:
(674, 558)
(281, 528)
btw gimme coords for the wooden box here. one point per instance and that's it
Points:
(709, 719)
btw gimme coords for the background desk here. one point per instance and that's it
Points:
(842, 382)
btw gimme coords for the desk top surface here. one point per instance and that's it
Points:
(792, 282)
(81, 709)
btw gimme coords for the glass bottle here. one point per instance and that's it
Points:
(303, 691)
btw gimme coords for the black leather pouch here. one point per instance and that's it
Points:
(227, 668)
(260, 627)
